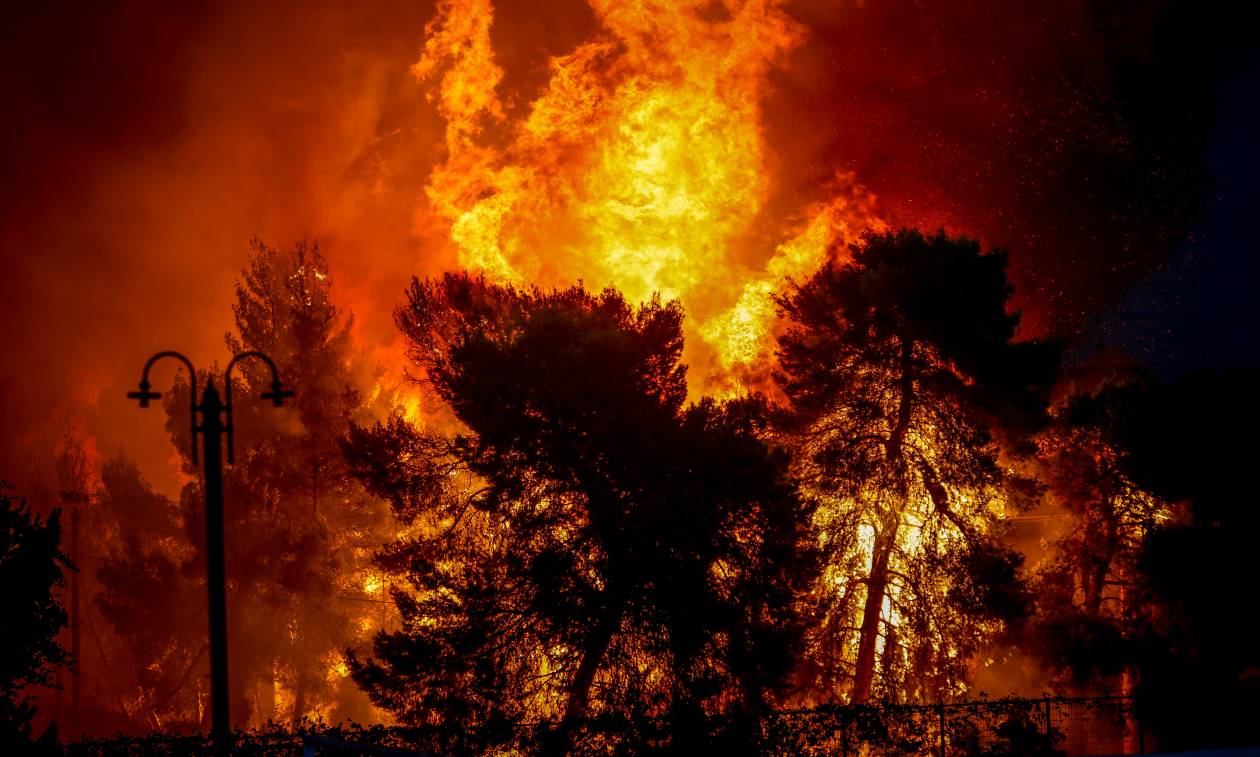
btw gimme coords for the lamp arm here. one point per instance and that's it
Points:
(144, 395)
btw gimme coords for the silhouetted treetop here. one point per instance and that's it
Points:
(613, 347)
(902, 287)
(584, 544)
(571, 383)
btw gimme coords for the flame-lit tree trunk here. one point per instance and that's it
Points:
(886, 536)
(593, 653)
(73, 475)
(593, 657)
(299, 701)
(872, 612)
(897, 365)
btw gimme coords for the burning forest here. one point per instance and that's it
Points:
(628, 377)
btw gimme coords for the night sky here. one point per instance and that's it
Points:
(1200, 309)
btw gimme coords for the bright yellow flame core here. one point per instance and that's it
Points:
(642, 164)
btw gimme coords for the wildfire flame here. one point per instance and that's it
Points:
(642, 164)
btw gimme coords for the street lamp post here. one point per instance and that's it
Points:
(216, 421)
(75, 500)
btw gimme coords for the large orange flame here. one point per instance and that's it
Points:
(642, 164)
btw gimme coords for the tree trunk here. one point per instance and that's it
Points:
(905, 391)
(266, 697)
(1102, 565)
(886, 538)
(876, 587)
(299, 700)
(595, 648)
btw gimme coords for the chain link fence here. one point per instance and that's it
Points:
(1014, 727)
(1057, 727)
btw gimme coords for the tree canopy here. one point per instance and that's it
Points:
(586, 548)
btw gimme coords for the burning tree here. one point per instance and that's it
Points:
(897, 364)
(302, 529)
(586, 548)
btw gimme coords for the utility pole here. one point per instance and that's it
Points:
(216, 422)
(74, 500)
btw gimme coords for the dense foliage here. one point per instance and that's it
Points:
(586, 544)
(32, 568)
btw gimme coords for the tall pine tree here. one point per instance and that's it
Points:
(299, 529)
(897, 364)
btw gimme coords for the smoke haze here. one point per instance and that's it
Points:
(146, 143)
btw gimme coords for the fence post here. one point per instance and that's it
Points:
(1046, 703)
(941, 710)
